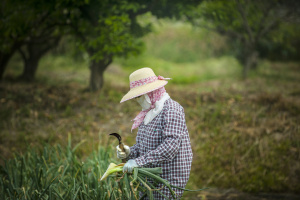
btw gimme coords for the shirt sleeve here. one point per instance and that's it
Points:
(174, 127)
(134, 152)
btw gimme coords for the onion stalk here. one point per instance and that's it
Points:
(138, 181)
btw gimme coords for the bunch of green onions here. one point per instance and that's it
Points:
(138, 181)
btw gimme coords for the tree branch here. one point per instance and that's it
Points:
(147, 8)
(263, 20)
(245, 21)
(40, 21)
(22, 54)
(50, 45)
(273, 24)
(222, 31)
(77, 32)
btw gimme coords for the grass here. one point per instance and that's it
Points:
(188, 73)
(244, 134)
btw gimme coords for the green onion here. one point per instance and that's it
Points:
(139, 181)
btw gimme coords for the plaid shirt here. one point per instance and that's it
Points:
(165, 143)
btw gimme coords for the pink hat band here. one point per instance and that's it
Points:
(145, 81)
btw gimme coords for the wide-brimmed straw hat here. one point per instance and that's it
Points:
(143, 81)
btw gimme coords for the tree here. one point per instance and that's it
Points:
(247, 24)
(45, 33)
(104, 29)
(109, 28)
(31, 28)
(32, 51)
(11, 34)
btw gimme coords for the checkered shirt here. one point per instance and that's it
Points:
(165, 143)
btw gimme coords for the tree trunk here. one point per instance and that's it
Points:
(35, 51)
(4, 58)
(97, 69)
(31, 62)
(254, 61)
(30, 68)
(250, 62)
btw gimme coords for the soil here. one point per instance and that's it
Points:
(232, 194)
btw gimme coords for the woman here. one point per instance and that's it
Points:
(162, 139)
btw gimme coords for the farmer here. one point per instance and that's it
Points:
(162, 139)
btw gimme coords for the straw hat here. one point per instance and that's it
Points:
(143, 81)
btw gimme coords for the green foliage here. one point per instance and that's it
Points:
(23, 21)
(284, 43)
(174, 46)
(114, 38)
(106, 29)
(179, 42)
(56, 173)
(267, 27)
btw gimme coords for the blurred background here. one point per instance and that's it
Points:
(64, 66)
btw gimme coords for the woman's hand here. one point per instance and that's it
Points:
(121, 154)
(128, 167)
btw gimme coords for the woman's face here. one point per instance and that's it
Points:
(144, 101)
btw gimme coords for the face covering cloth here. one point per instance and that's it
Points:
(144, 102)
(150, 111)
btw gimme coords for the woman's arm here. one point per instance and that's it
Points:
(134, 152)
(174, 128)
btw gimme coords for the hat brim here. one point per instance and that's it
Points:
(144, 89)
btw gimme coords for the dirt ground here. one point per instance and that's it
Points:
(232, 194)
